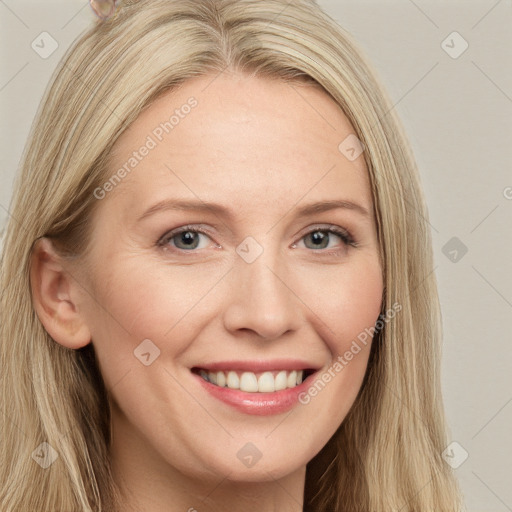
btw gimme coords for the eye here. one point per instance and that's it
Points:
(320, 237)
(185, 238)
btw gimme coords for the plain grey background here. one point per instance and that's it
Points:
(448, 69)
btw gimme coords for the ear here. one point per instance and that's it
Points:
(55, 295)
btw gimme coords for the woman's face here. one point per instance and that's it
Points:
(262, 291)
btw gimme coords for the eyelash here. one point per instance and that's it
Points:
(345, 236)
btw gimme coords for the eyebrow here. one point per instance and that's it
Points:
(220, 210)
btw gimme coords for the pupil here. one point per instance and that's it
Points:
(188, 238)
(318, 237)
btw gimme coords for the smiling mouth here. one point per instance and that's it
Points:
(255, 382)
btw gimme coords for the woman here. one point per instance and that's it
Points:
(174, 333)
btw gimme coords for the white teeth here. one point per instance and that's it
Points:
(248, 382)
(221, 379)
(281, 381)
(266, 382)
(233, 381)
(292, 379)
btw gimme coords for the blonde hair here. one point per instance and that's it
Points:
(386, 455)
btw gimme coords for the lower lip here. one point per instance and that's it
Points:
(259, 404)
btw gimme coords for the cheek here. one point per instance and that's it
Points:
(347, 302)
(138, 299)
(147, 302)
(346, 313)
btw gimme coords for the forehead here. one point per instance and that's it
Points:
(235, 138)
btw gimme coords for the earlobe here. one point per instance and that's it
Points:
(55, 295)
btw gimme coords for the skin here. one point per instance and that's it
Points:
(262, 148)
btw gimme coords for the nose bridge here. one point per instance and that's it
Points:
(262, 274)
(262, 300)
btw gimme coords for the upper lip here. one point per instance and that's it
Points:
(259, 365)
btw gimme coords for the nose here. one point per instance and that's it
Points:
(262, 298)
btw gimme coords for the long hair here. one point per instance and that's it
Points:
(386, 455)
